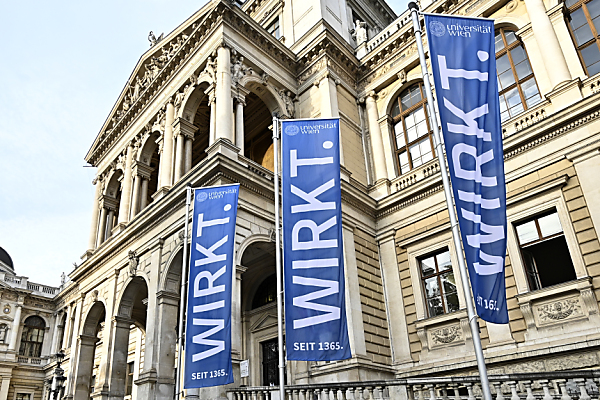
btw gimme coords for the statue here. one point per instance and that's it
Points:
(360, 31)
(63, 279)
(238, 70)
(179, 97)
(133, 263)
(211, 68)
(286, 96)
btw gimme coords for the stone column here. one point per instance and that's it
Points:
(189, 141)
(135, 201)
(224, 128)
(144, 195)
(102, 230)
(14, 335)
(553, 56)
(95, 214)
(67, 328)
(166, 160)
(179, 156)
(236, 328)
(239, 124)
(109, 222)
(126, 193)
(394, 299)
(75, 345)
(213, 118)
(84, 366)
(329, 104)
(356, 330)
(4, 387)
(53, 348)
(119, 349)
(166, 315)
(378, 155)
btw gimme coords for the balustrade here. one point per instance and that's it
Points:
(562, 385)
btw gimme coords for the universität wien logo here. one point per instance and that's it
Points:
(201, 196)
(437, 28)
(291, 130)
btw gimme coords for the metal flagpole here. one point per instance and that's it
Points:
(188, 198)
(485, 385)
(278, 260)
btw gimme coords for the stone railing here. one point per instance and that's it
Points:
(399, 23)
(31, 360)
(527, 118)
(416, 175)
(562, 385)
(22, 282)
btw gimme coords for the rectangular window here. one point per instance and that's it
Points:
(92, 383)
(23, 396)
(544, 251)
(129, 379)
(273, 28)
(439, 284)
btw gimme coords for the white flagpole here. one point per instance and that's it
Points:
(485, 385)
(278, 273)
(188, 197)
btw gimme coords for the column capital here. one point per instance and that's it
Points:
(185, 128)
(142, 170)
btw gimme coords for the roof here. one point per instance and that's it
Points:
(5, 258)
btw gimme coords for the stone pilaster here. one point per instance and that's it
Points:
(239, 123)
(95, 215)
(329, 104)
(14, 335)
(126, 192)
(378, 155)
(166, 160)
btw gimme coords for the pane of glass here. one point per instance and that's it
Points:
(510, 37)
(399, 130)
(422, 129)
(499, 42)
(591, 56)
(405, 100)
(431, 287)
(569, 3)
(530, 90)
(523, 69)
(427, 266)
(452, 302)
(419, 115)
(416, 95)
(549, 225)
(517, 109)
(404, 166)
(527, 232)
(502, 64)
(504, 116)
(448, 283)
(577, 19)
(395, 110)
(593, 8)
(532, 101)
(443, 260)
(582, 34)
(435, 306)
(507, 78)
(425, 147)
(412, 134)
(512, 97)
(518, 54)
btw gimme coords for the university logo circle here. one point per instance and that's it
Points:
(437, 28)
(202, 196)
(292, 130)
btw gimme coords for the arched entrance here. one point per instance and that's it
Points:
(258, 138)
(259, 313)
(89, 343)
(129, 328)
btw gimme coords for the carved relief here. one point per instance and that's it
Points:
(446, 335)
(559, 310)
(316, 67)
(238, 69)
(575, 361)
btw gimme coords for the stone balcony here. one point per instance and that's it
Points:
(22, 282)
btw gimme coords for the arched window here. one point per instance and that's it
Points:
(32, 337)
(583, 17)
(414, 143)
(516, 84)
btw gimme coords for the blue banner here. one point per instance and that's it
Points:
(463, 59)
(208, 318)
(315, 312)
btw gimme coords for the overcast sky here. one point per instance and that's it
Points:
(64, 63)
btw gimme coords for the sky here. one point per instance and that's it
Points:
(63, 65)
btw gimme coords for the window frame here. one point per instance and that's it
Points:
(518, 82)
(23, 344)
(420, 246)
(596, 39)
(401, 118)
(527, 208)
(277, 20)
(438, 274)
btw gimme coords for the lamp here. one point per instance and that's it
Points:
(59, 378)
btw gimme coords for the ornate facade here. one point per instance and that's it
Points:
(197, 110)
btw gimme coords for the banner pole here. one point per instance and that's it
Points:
(485, 385)
(183, 290)
(278, 260)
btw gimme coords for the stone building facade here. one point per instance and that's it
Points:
(197, 110)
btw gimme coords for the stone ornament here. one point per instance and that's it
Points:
(133, 263)
(445, 335)
(3, 330)
(6, 309)
(153, 40)
(238, 69)
(360, 32)
(559, 310)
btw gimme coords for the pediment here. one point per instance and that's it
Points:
(264, 322)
